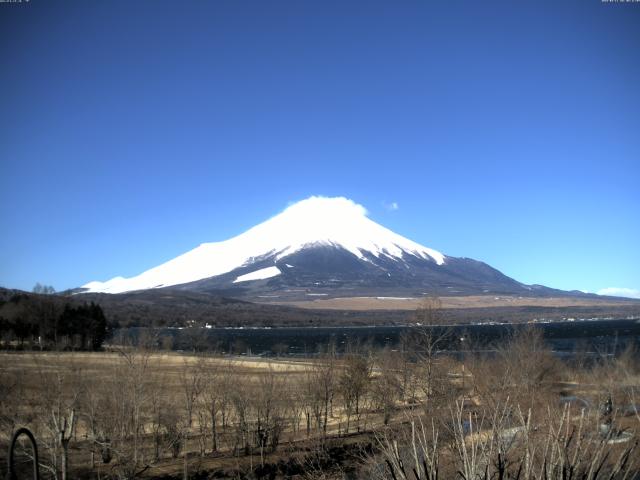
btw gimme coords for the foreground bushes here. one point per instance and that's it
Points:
(514, 412)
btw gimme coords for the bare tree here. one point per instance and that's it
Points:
(12, 398)
(216, 385)
(241, 401)
(126, 407)
(522, 369)
(504, 442)
(296, 400)
(93, 409)
(429, 311)
(62, 388)
(412, 453)
(320, 384)
(43, 289)
(191, 383)
(387, 386)
(423, 346)
(269, 415)
(353, 382)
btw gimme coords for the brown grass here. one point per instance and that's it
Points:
(485, 381)
(473, 301)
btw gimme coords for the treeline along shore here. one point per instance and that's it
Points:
(167, 308)
(49, 322)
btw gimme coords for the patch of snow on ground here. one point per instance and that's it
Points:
(395, 298)
(258, 274)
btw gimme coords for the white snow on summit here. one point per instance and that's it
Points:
(620, 292)
(338, 222)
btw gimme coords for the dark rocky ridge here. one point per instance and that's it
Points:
(335, 272)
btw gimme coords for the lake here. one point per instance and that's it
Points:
(598, 336)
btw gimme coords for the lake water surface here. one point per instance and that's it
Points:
(599, 336)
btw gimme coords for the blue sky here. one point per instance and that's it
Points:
(506, 131)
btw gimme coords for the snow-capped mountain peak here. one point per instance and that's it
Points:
(338, 222)
(317, 221)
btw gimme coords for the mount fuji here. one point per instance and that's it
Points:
(324, 247)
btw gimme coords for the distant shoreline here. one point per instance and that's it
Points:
(449, 302)
(412, 325)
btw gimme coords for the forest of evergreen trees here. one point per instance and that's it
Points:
(50, 322)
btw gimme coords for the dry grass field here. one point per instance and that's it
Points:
(471, 301)
(174, 398)
(136, 413)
